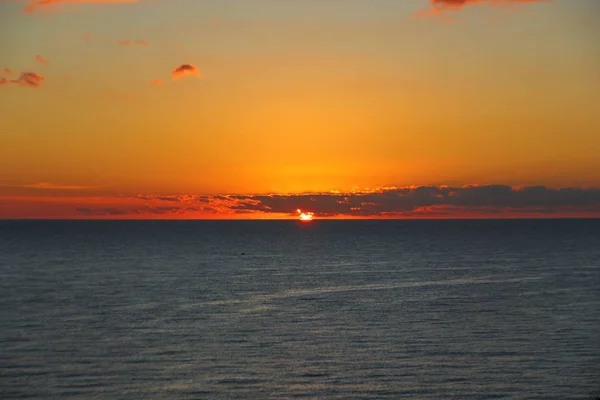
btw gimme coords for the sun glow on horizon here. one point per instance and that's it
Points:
(305, 216)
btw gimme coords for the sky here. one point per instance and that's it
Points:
(255, 109)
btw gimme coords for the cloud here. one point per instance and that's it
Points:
(185, 70)
(420, 201)
(7, 71)
(441, 6)
(138, 42)
(30, 79)
(36, 5)
(139, 211)
(42, 60)
(105, 212)
(87, 37)
(471, 201)
(157, 82)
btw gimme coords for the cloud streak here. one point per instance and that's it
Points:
(442, 6)
(27, 79)
(137, 42)
(42, 60)
(37, 5)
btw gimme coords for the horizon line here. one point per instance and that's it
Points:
(462, 218)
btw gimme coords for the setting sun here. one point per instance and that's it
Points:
(305, 216)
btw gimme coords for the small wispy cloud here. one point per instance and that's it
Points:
(37, 5)
(438, 7)
(185, 70)
(137, 42)
(101, 212)
(41, 59)
(157, 82)
(7, 71)
(28, 79)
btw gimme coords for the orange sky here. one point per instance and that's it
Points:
(152, 109)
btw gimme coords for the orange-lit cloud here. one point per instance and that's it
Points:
(35, 5)
(42, 60)
(7, 71)
(138, 42)
(30, 79)
(157, 82)
(185, 70)
(441, 6)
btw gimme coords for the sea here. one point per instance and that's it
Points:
(355, 309)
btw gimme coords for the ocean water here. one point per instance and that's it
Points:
(282, 309)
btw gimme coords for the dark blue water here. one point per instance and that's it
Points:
(281, 309)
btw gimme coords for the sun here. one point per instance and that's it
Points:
(305, 216)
